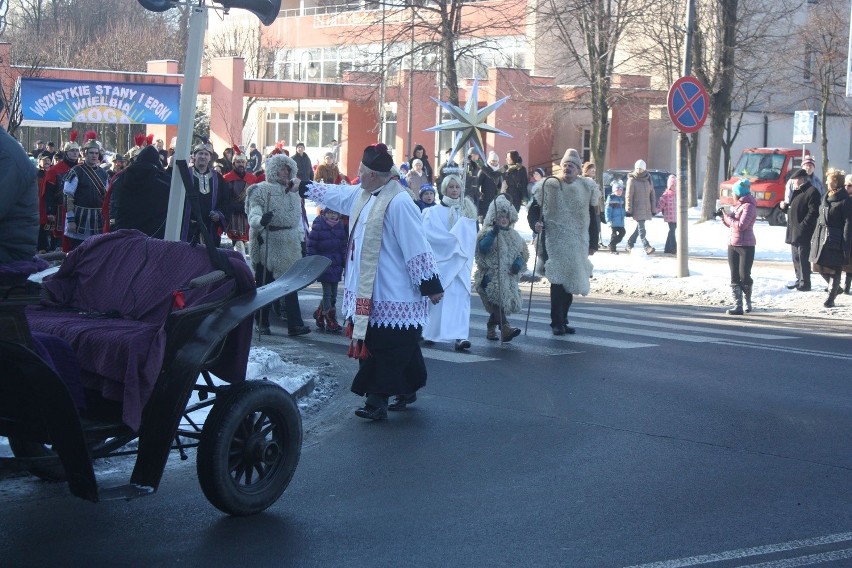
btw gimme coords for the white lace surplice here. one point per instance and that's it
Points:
(405, 259)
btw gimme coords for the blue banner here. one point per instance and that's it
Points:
(99, 102)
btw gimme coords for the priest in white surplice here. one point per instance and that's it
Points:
(451, 230)
(391, 276)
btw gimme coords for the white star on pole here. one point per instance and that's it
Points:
(469, 123)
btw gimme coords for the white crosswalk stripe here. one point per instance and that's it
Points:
(620, 327)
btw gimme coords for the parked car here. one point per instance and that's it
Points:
(659, 177)
(768, 169)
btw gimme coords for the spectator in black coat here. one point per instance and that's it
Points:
(802, 215)
(139, 198)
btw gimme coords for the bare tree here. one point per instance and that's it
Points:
(586, 36)
(715, 52)
(258, 50)
(448, 36)
(821, 67)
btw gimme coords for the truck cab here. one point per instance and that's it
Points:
(769, 169)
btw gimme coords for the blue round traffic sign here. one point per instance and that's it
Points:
(688, 104)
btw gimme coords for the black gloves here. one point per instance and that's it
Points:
(628, 214)
(720, 211)
(267, 217)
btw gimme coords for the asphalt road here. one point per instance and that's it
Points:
(660, 434)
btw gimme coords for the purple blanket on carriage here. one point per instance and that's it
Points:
(110, 300)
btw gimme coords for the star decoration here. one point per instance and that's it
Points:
(469, 123)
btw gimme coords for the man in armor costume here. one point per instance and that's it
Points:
(239, 179)
(84, 188)
(54, 181)
(214, 199)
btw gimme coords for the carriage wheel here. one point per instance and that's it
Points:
(249, 448)
(24, 447)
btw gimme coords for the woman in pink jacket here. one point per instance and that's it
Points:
(668, 207)
(741, 246)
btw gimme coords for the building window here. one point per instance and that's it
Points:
(390, 125)
(315, 128)
(587, 145)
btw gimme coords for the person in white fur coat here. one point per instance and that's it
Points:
(501, 256)
(450, 228)
(564, 210)
(275, 235)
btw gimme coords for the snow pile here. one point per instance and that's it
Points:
(654, 277)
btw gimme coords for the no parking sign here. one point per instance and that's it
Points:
(688, 104)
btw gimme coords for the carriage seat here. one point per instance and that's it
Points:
(110, 300)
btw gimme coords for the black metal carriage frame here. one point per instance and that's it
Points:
(247, 449)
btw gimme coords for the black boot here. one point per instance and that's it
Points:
(847, 283)
(835, 290)
(747, 297)
(737, 310)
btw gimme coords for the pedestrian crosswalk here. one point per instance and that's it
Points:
(607, 326)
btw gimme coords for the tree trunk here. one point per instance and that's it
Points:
(720, 106)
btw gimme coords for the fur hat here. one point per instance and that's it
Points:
(240, 157)
(741, 188)
(640, 165)
(502, 206)
(276, 163)
(571, 155)
(377, 158)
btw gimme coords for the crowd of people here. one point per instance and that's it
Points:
(408, 245)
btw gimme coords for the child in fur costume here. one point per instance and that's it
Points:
(501, 255)
(328, 238)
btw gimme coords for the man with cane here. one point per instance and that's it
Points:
(275, 228)
(569, 237)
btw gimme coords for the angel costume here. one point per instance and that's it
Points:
(451, 231)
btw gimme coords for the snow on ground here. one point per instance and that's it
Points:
(654, 277)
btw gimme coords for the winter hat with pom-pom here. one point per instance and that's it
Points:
(741, 188)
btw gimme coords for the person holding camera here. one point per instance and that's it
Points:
(741, 244)
(275, 235)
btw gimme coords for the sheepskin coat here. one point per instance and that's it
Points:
(494, 267)
(280, 248)
(565, 208)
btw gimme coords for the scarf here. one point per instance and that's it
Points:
(455, 206)
(369, 262)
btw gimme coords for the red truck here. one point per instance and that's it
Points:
(768, 169)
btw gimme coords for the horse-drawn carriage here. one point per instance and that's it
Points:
(110, 348)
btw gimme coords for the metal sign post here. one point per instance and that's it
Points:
(688, 104)
(188, 101)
